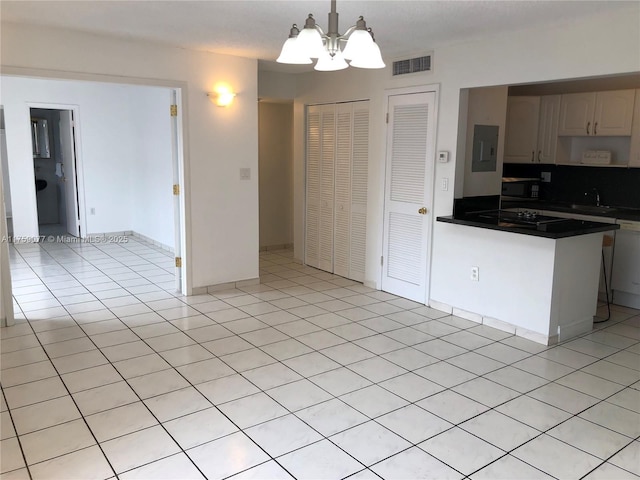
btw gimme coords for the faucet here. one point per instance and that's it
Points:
(597, 195)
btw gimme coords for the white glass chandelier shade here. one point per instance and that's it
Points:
(310, 42)
(371, 59)
(331, 63)
(332, 49)
(291, 53)
(358, 44)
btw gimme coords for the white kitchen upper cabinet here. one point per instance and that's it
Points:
(634, 151)
(576, 114)
(521, 136)
(614, 113)
(597, 113)
(548, 128)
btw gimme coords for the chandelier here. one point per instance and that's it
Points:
(332, 50)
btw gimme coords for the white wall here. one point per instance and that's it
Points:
(535, 55)
(151, 178)
(276, 173)
(5, 169)
(221, 244)
(6, 300)
(104, 143)
(486, 106)
(124, 154)
(276, 86)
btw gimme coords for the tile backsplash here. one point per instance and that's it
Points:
(618, 187)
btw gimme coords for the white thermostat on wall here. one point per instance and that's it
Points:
(443, 157)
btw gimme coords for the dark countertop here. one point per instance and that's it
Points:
(549, 227)
(622, 213)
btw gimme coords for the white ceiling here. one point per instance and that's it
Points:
(257, 29)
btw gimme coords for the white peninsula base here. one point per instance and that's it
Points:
(540, 288)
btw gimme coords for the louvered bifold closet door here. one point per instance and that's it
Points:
(327, 185)
(359, 179)
(337, 165)
(408, 194)
(344, 141)
(314, 154)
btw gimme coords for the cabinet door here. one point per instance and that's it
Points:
(576, 114)
(614, 112)
(548, 128)
(521, 129)
(634, 153)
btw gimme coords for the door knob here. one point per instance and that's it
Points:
(422, 211)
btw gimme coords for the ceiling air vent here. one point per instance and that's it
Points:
(412, 65)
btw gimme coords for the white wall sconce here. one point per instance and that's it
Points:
(223, 97)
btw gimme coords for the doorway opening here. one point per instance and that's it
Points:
(97, 163)
(53, 142)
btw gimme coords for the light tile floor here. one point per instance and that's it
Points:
(308, 375)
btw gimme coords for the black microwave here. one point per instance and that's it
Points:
(521, 187)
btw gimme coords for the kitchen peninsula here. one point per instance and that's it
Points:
(536, 277)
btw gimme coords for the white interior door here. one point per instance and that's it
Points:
(342, 223)
(408, 195)
(312, 202)
(327, 186)
(69, 178)
(177, 231)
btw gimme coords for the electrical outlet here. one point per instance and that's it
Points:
(245, 174)
(545, 177)
(475, 274)
(445, 183)
(92, 211)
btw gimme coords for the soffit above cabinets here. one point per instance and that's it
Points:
(581, 85)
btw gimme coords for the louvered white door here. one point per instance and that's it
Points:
(359, 179)
(336, 188)
(351, 167)
(344, 139)
(408, 194)
(327, 185)
(321, 139)
(312, 227)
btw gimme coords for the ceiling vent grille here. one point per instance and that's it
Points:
(412, 65)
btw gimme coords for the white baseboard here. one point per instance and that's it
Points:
(280, 246)
(584, 325)
(495, 323)
(499, 325)
(443, 307)
(230, 285)
(154, 242)
(474, 317)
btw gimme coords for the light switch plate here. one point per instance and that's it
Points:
(245, 174)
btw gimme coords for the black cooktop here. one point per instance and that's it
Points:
(528, 223)
(521, 219)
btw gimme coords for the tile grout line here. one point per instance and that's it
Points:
(346, 366)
